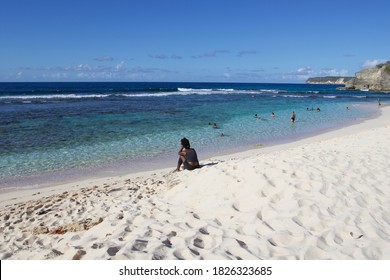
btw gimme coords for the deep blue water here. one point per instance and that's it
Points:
(55, 130)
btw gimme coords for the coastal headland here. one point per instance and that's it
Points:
(376, 78)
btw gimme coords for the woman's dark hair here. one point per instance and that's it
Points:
(185, 142)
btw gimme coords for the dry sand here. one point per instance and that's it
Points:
(325, 197)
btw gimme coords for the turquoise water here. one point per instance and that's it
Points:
(51, 131)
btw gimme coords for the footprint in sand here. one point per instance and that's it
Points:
(172, 234)
(264, 229)
(193, 251)
(6, 255)
(112, 251)
(242, 244)
(286, 240)
(139, 245)
(338, 239)
(204, 231)
(186, 254)
(79, 255)
(159, 253)
(198, 243)
(178, 255)
(248, 204)
(372, 253)
(241, 251)
(97, 245)
(233, 257)
(204, 242)
(315, 253)
(29, 241)
(54, 253)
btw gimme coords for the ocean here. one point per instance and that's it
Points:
(50, 132)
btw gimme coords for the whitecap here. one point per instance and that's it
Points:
(294, 96)
(54, 96)
(194, 90)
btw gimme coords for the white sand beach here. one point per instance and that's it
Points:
(324, 197)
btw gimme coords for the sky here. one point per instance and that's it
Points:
(263, 41)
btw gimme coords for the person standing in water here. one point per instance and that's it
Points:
(293, 117)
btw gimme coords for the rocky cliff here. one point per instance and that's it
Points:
(373, 79)
(329, 80)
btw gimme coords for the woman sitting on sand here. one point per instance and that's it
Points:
(187, 156)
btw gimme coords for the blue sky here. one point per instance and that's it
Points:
(196, 41)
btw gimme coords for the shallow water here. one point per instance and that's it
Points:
(52, 131)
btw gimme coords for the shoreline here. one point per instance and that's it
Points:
(246, 151)
(322, 197)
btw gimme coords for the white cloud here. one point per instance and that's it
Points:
(300, 74)
(91, 72)
(303, 73)
(80, 67)
(227, 75)
(19, 75)
(372, 62)
(119, 66)
(59, 76)
(333, 72)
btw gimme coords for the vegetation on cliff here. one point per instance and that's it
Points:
(374, 79)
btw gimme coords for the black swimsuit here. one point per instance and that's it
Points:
(190, 157)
